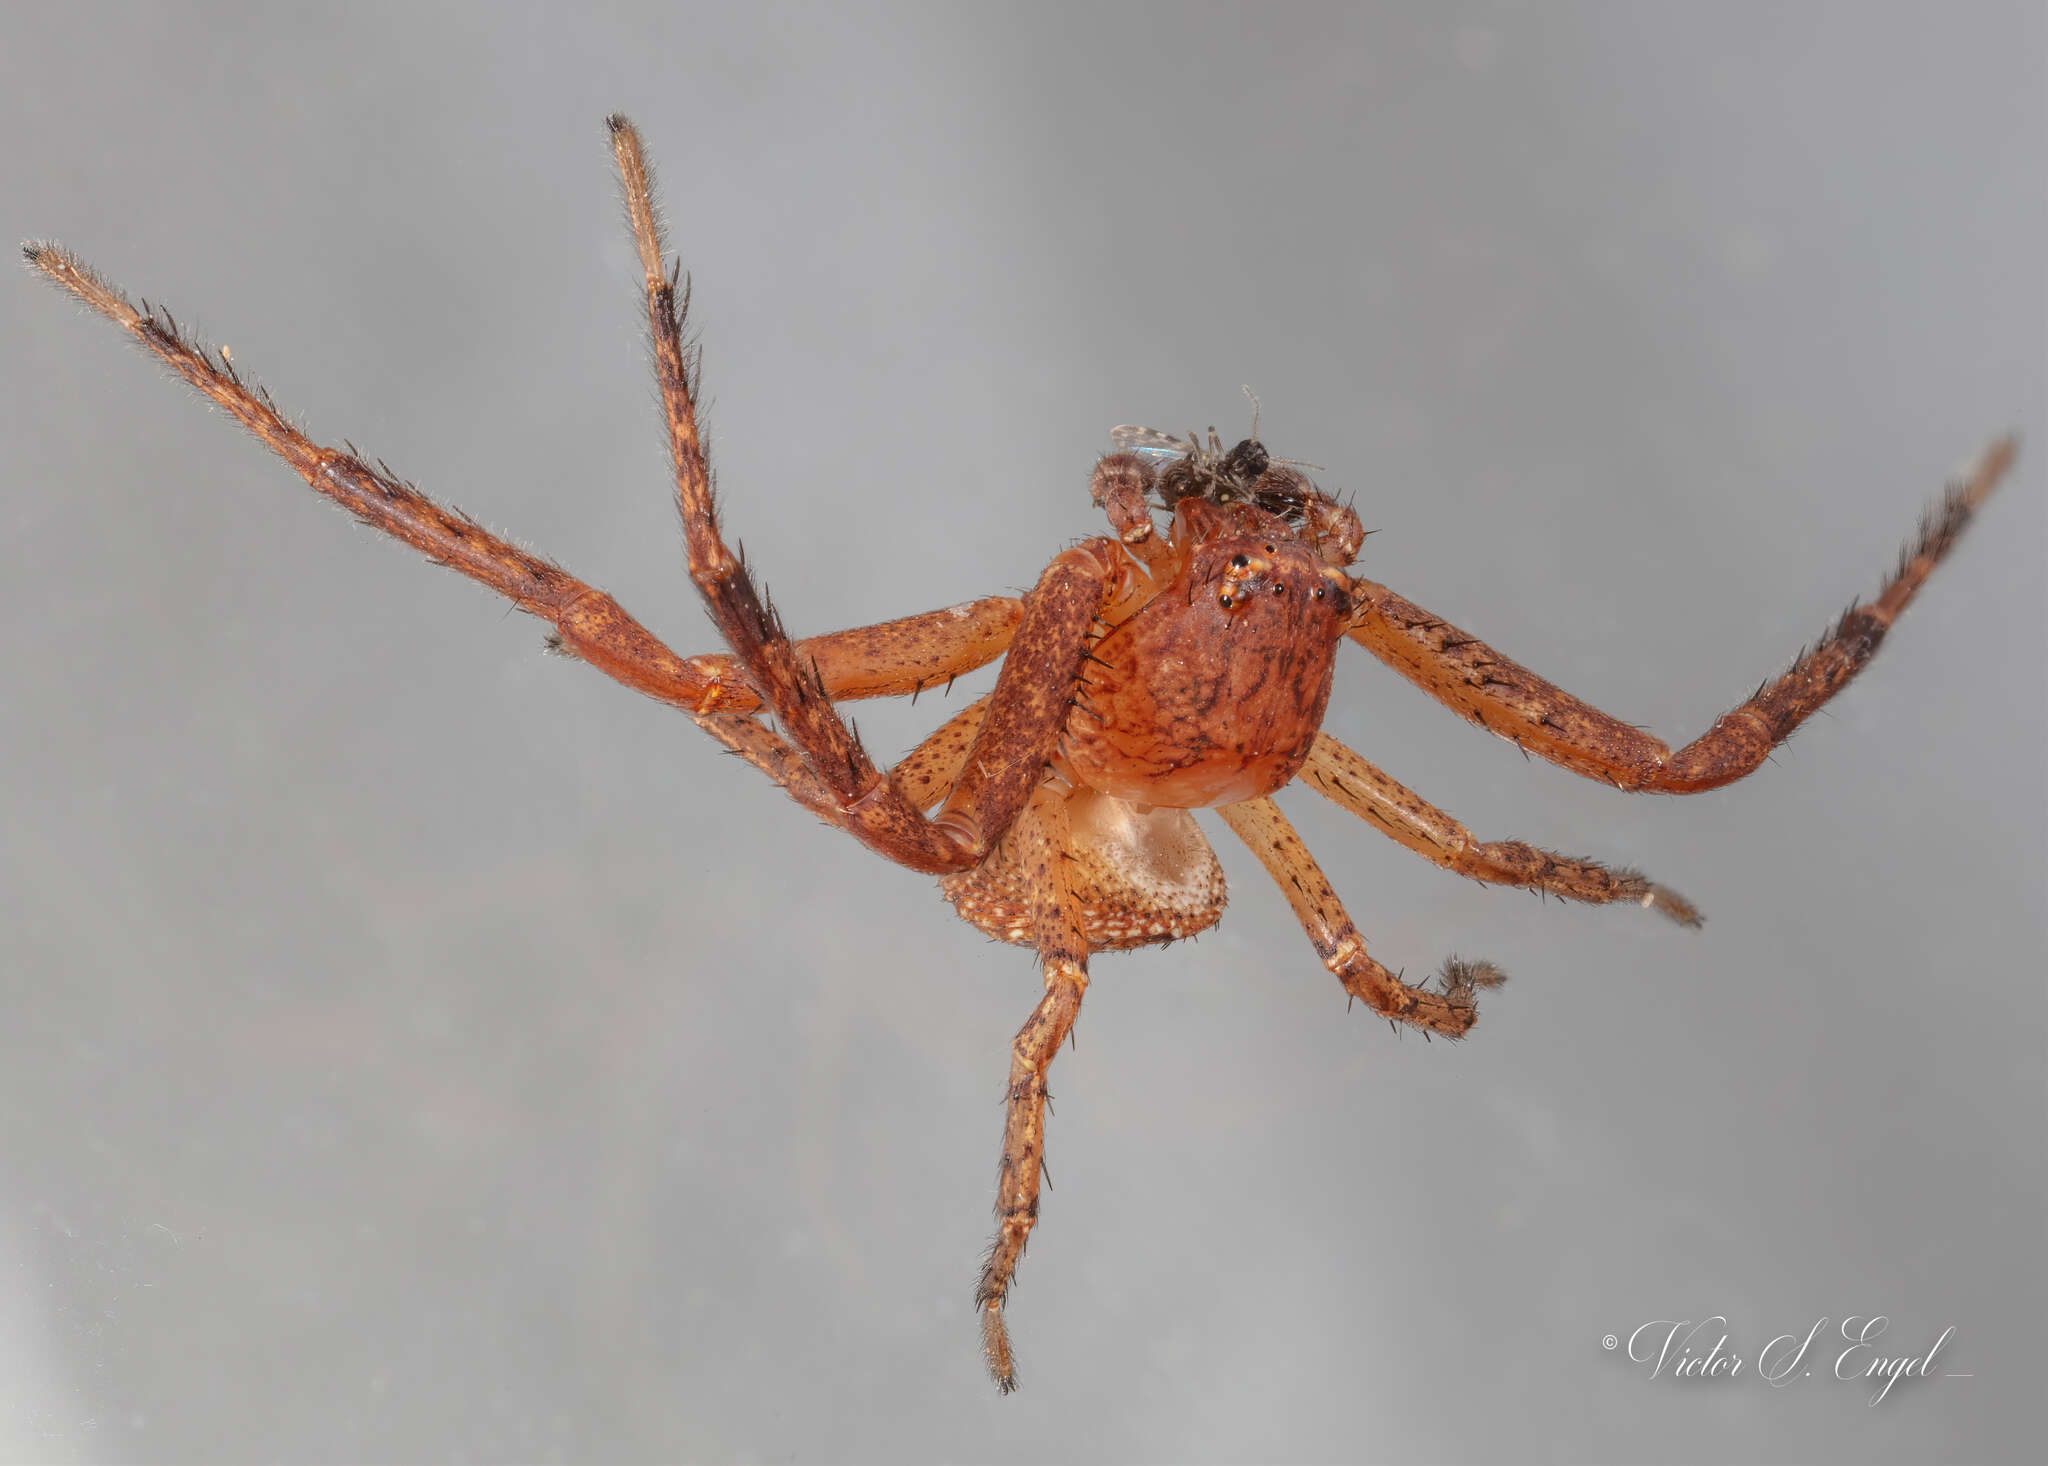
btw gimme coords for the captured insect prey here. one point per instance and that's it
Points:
(1183, 661)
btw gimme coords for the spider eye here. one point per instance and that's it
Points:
(1317, 593)
(1238, 562)
(1223, 601)
(1279, 589)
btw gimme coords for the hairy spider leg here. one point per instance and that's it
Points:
(890, 658)
(1032, 692)
(1343, 777)
(899, 658)
(1267, 834)
(772, 754)
(1121, 487)
(926, 774)
(924, 777)
(587, 622)
(1477, 682)
(1063, 953)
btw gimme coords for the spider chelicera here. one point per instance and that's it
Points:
(1143, 676)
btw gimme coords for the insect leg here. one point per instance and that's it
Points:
(1259, 823)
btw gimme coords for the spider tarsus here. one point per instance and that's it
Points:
(1460, 980)
(1668, 902)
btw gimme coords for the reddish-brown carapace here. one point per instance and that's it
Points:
(1145, 675)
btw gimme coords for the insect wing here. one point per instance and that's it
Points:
(1155, 447)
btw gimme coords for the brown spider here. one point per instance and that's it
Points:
(1143, 677)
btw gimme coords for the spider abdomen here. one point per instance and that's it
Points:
(1141, 876)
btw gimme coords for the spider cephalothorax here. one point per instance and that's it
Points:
(1143, 677)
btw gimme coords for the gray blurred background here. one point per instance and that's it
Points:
(417, 1048)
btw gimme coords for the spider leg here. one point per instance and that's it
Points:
(890, 659)
(1340, 775)
(1259, 823)
(1030, 701)
(771, 753)
(587, 621)
(924, 777)
(887, 659)
(927, 773)
(1063, 952)
(1122, 487)
(1474, 680)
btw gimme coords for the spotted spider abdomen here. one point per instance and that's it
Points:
(1142, 876)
